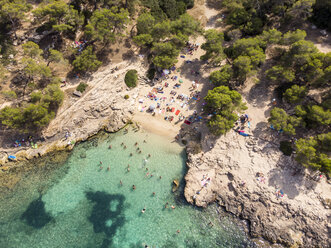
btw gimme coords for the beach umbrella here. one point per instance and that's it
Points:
(152, 107)
(166, 72)
(181, 80)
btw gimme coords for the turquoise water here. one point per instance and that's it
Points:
(80, 204)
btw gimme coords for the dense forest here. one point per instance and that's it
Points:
(162, 28)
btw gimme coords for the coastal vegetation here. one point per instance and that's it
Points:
(295, 68)
(131, 78)
(258, 43)
(224, 104)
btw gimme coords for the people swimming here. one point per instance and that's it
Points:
(143, 210)
(109, 147)
(133, 187)
(108, 168)
(149, 155)
(121, 183)
(131, 154)
(136, 143)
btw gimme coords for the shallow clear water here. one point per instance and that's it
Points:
(78, 204)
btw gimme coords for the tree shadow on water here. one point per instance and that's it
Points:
(35, 215)
(104, 217)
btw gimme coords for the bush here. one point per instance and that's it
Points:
(10, 94)
(131, 78)
(81, 87)
(87, 61)
(286, 148)
(126, 97)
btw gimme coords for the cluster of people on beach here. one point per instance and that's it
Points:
(243, 122)
(25, 142)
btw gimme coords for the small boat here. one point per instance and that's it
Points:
(12, 158)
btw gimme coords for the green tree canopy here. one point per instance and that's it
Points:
(145, 23)
(242, 67)
(165, 55)
(222, 77)
(295, 94)
(13, 11)
(87, 61)
(223, 103)
(310, 152)
(106, 24)
(54, 56)
(281, 121)
(213, 46)
(31, 49)
(279, 74)
(62, 16)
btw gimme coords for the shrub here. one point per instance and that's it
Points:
(82, 87)
(131, 78)
(10, 94)
(286, 147)
(295, 94)
(126, 97)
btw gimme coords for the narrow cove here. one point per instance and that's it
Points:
(82, 203)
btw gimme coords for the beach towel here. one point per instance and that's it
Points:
(244, 134)
(187, 122)
(172, 109)
(177, 112)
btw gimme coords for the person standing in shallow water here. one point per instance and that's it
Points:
(133, 187)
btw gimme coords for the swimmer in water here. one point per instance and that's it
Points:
(109, 147)
(166, 205)
(160, 177)
(108, 168)
(100, 162)
(121, 183)
(149, 155)
(139, 151)
(178, 231)
(133, 187)
(124, 146)
(131, 154)
(143, 210)
(101, 168)
(128, 169)
(153, 193)
(173, 207)
(136, 143)
(145, 141)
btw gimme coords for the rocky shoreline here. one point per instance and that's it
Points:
(241, 174)
(298, 219)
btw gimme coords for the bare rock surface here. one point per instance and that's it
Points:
(245, 176)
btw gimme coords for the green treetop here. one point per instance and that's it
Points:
(223, 103)
(87, 61)
(106, 24)
(62, 16)
(282, 121)
(213, 46)
(13, 11)
(295, 94)
(222, 77)
(32, 50)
